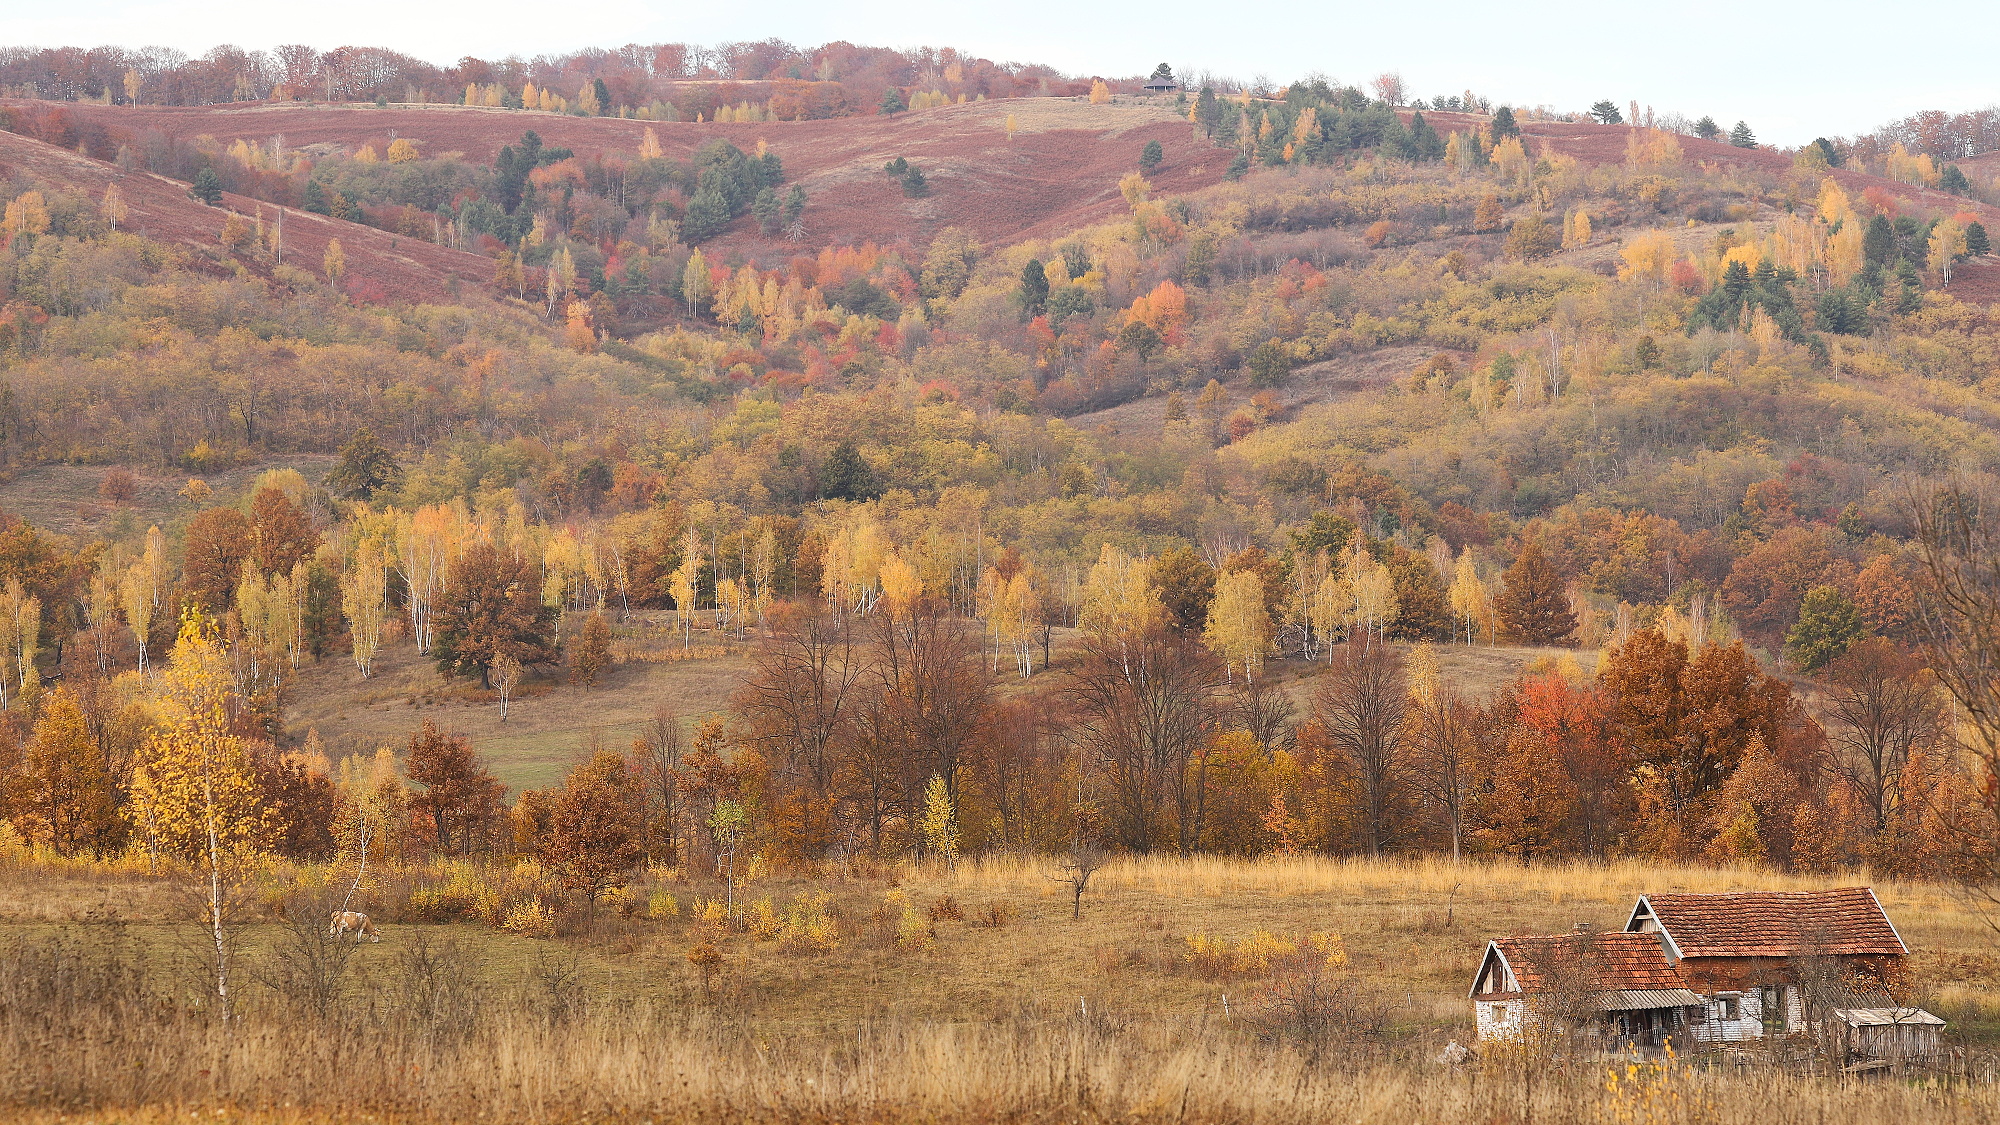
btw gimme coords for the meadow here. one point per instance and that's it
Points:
(895, 993)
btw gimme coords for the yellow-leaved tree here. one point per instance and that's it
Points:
(1239, 625)
(1100, 94)
(685, 583)
(193, 793)
(334, 262)
(1946, 248)
(1471, 603)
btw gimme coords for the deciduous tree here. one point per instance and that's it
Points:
(459, 804)
(491, 606)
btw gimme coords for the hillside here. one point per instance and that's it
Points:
(1059, 171)
(384, 266)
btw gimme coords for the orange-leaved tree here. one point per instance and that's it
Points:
(64, 797)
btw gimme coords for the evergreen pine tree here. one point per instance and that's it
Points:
(1606, 112)
(1503, 125)
(603, 92)
(1741, 136)
(1827, 627)
(1151, 157)
(1878, 246)
(1953, 180)
(315, 198)
(1208, 111)
(892, 102)
(1706, 128)
(207, 187)
(1976, 243)
(845, 476)
(1534, 607)
(707, 214)
(1424, 143)
(1034, 294)
(766, 208)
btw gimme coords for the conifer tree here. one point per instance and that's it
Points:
(1827, 627)
(1741, 136)
(1707, 129)
(1503, 125)
(207, 187)
(1534, 606)
(1034, 292)
(892, 102)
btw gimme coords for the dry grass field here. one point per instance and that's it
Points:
(932, 995)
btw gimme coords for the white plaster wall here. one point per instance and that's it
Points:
(1497, 1019)
(1748, 1025)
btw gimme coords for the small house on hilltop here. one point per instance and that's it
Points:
(1162, 81)
(1715, 969)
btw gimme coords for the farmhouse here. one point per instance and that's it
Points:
(1715, 969)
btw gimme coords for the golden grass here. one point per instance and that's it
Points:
(1006, 1008)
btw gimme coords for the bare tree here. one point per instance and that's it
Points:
(1958, 545)
(655, 758)
(1567, 1004)
(800, 701)
(302, 965)
(1081, 862)
(1144, 704)
(1882, 705)
(1359, 705)
(926, 701)
(1443, 750)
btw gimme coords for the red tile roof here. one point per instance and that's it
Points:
(1847, 922)
(1622, 962)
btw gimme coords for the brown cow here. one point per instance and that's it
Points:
(354, 922)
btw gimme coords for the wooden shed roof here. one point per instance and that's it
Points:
(1847, 921)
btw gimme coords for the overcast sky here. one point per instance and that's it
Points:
(1793, 70)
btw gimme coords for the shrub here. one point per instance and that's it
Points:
(532, 919)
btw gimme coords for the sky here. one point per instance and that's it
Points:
(1793, 70)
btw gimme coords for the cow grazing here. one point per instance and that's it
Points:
(354, 922)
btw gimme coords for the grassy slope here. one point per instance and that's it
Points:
(546, 728)
(554, 723)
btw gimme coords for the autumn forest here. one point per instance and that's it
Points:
(513, 495)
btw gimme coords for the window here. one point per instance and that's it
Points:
(1730, 1007)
